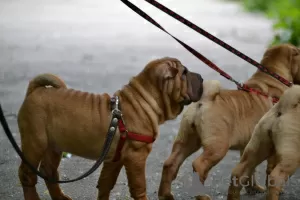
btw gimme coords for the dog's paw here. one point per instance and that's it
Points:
(281, 191)
(203, 197)
(64, 197)
(166, 197)
(255, 189)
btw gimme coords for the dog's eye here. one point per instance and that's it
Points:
(185, 71)
(296, 52)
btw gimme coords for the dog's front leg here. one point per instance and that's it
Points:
(108, 177)
(135, 163)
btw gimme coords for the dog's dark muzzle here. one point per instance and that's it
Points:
(195, 87)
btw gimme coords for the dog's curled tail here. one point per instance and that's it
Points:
(211, 89)
(43, 80)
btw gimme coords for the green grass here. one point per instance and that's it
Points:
(284, 13)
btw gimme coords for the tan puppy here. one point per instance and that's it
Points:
(276, 137)
(225, 119)
(56, 119)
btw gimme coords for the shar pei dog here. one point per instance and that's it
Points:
(276, 138)
(57, 119)
(224, 119)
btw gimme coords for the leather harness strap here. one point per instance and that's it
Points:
(125, 134)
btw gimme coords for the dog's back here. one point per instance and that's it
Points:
(231, 113)
(55, 115)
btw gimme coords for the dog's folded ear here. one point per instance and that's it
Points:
(295, 51)
(166, 71)
(170, 71)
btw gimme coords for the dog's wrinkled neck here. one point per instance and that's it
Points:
(140, 104)
(170, 107)
(161, 107)
(134, 83)
(267, 84)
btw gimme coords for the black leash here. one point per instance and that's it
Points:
(204, 33)
(116, 115)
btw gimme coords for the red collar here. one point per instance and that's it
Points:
(125, 134)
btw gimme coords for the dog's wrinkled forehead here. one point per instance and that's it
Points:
(172, 62)
(282, 50)
(171, 59)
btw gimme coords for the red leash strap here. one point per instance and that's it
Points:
(187, 47)
(248, 89)
(130, 136)
(216, 40)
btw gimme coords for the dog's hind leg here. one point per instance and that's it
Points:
(49, 165)
(108, 178)
(280, 174)
(287, 160)
(186, 143)
(252, 187)
(28, 178)
(34, 142)
(33, 152)
(271, 163)
(257, 150)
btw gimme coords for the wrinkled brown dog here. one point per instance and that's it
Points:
(56, 119)
(224, 119)
(276, 137)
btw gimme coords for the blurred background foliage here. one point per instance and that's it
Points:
(286, 16)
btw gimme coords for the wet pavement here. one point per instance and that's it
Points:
(97, 46)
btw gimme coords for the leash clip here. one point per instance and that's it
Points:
(116, 111)
(117, 103)
(237, 83)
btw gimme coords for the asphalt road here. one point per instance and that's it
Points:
(97, 46)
